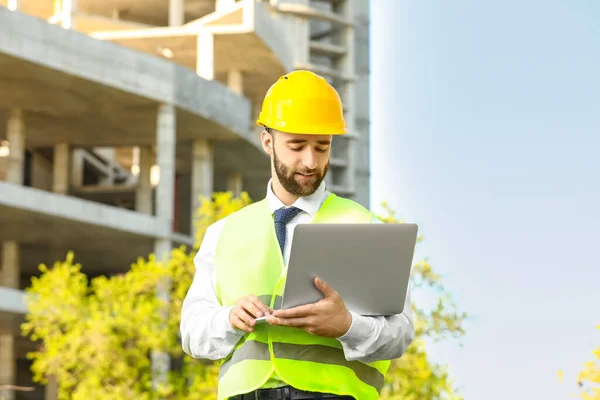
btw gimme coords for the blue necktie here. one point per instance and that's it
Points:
(282, 217)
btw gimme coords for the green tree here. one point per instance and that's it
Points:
(589, 377)
(414, 376)
(96, 336)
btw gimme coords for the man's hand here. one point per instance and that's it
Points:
(244, 312)
(327, 317)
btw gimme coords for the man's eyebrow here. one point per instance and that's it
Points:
(300, 141)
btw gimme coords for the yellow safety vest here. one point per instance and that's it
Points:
(248, 260)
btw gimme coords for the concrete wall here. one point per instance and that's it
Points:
(183, 209)
(41, 172)
(362, 112)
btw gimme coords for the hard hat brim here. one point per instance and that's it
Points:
(304, 129)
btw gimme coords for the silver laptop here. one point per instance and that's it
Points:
(369, 265)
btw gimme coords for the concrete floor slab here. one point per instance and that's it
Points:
(90, 92)
(246, 38)
(98, 253)
(13, 301)
(149, 11)
(103, 238)
(84, 22)
(15, 199)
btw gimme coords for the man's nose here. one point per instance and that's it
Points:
(310, 159)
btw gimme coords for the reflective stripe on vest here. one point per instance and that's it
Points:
(255, 350)
(248, 261)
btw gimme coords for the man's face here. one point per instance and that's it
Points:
(301, 161)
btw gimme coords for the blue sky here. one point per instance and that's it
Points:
(485, 131)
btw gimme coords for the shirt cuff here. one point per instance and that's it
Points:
(361, 329)
(223, 322)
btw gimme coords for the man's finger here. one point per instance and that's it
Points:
(238, 323)
(263, 308)
(245, 317)
(260, 305)
(252, 308)
(296, 312)
(324, 288)
(292, 322)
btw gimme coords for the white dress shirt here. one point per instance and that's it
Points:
(207, 334)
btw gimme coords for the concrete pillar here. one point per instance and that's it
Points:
(7, 366)
(11, 263)
(298, 27)
(176, 13)
(162, 248)
(165, 158)
(202, 175)
(51, 389)
(13, 5)
(16, 146)
(69, 11)
(235, 81)
(235, 183)
(143, 193)
(160, 361)
(348, 88)
(165, 200)
(60, 169)
(205, 59)
(77, 167)
(10, 278)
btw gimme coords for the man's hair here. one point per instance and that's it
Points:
(272, 132)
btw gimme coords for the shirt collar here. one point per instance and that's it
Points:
(309, 204)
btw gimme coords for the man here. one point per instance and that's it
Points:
(322, 350)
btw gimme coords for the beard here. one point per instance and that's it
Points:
(287, 177)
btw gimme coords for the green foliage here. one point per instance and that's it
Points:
(96, 336)
(414, 376)
(589, 377)
(211, 210)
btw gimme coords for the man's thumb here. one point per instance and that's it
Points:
(323, 287)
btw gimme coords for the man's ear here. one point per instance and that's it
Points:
(267, 142)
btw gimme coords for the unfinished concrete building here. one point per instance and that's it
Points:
(115, 116)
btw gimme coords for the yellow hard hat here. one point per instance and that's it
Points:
(303, 102)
